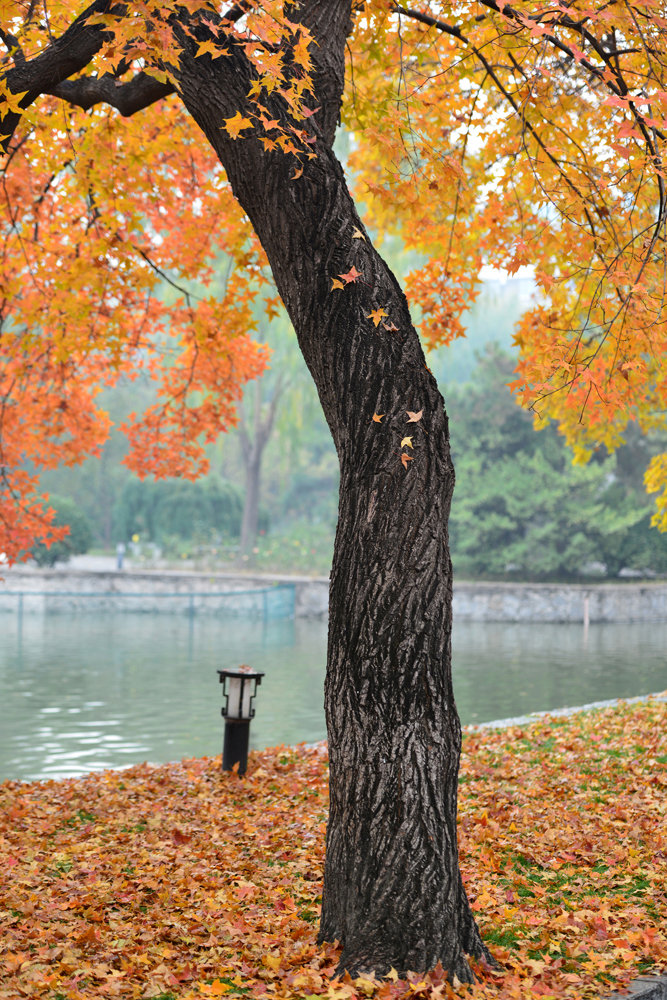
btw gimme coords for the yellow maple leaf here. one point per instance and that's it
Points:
(377, 315)
(406, 442)
(357, 234)
(233, 126)
(336, 283)
(271, 961)
(301, 54)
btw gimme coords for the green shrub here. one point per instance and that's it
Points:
(78, 540)
(178, 509)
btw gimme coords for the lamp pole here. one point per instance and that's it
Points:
(239, 687)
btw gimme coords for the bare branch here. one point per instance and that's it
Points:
(432, 22)
(237, 11)
(128, 98)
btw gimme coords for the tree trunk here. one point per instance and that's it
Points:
(250, 505)
(392, 890)
(252, 454)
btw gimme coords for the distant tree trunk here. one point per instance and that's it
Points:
(392, 890)
(250, 507)
(253, 446)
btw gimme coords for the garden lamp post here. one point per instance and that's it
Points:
(239, 686)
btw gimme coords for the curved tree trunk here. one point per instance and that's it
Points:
(392, 892)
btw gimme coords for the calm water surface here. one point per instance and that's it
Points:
(91, 691)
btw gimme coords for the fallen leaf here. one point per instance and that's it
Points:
(377, 417)
(358, 235)
(407, 442)
(405, 458)
(178, 837)
(414, 418)
(336, 283)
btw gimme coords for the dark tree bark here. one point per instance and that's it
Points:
(393, 894)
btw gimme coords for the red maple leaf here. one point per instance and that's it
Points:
(352, 275)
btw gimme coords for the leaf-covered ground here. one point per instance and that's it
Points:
(179, 882)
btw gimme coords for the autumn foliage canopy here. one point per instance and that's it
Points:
(482, 133)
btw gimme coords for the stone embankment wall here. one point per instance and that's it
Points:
(173, 591)
(162, 591)
(547, 602)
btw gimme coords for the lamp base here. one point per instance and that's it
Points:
(235, 745)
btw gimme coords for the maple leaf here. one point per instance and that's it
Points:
(297, 173)
(217, 988)
(414, 418)
(235, 125)
(351, 275)
(377, 315)
(357, 234)
(336, 283)
(406, 442)
(210, 48)
(377, 417)
(405, 458)
(391, 327)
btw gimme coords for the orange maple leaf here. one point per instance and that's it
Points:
(377, 417)
(336, 283)
(405, 458)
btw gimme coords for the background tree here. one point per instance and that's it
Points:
(523, 510)
(178, 511)
(77, 540)
(517, 134)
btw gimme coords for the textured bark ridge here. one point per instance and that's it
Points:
(392, 891)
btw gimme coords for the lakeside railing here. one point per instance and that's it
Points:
(266, 603)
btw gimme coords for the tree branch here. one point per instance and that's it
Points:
(11, 43)
(128, 98)
(66, 56)
(432, 22)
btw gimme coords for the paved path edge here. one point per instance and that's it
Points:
(644, 988)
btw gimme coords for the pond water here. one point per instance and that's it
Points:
(90, 691)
